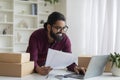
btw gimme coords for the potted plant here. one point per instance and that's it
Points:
(52, 1)
(115, 59)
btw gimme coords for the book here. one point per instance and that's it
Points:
(34, 9)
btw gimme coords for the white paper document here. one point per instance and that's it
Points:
(58, 59)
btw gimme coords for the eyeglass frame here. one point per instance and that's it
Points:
(61, 28)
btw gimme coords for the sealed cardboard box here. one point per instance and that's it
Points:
(84, 61)
(14, 57)
(16, 69)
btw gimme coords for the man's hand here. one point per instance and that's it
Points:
(43, 70)
(80, 70)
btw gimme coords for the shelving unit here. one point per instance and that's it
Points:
(18, 19)
(6, 25)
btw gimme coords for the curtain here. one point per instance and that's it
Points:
(102, 26)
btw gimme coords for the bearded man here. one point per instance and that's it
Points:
(51, 36)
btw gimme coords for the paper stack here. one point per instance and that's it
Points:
(15, 64)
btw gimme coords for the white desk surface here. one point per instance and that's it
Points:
(34, 76)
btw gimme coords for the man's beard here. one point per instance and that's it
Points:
(56, 36)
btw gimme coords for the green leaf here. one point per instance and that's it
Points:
(115, 59)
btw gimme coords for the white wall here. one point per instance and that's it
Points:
(74, 12)
(74, 15)
(61, 7)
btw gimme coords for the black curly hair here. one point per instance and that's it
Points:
(53, 17)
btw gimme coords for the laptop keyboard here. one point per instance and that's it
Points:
(73, 75)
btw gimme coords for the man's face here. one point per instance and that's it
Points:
(57, 30)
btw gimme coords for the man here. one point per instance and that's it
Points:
(51, 36)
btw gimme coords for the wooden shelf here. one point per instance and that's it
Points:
(6, 47)
(6, 10)
(41, 2)
(26, 15)
(43, 13)
(8, 23)
(26, 2)
(6, 35)
(25, 29)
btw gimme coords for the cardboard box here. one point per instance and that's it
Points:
(14, 57)
(16, 69)
(84, 61)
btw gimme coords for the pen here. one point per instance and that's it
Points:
(47, 76)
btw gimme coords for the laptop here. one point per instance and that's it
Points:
(95, 68)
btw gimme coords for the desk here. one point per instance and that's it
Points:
(34, 76)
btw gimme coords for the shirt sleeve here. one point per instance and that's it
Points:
(32, 49)
(67, 48)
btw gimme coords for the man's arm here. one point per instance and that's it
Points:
(73, 67)
(33, 50)
(67, 48)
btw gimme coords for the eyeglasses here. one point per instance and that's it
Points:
(64, 29)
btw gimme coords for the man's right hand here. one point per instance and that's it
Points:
(43, 70)
(80, 70)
